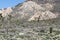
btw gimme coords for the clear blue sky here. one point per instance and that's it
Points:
(9, 3)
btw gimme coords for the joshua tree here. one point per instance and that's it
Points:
(38, 18)
(51, 29)
(0, 15)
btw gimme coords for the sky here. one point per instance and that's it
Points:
(9, 3)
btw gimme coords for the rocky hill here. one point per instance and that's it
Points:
(30, 8)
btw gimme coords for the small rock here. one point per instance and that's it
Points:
(42, 31)
(21, 33)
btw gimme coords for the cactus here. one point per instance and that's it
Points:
(51, 29)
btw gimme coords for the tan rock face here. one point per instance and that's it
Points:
(5, 12)
(43, 16)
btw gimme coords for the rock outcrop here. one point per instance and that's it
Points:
(6, 11)
(32, 10)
